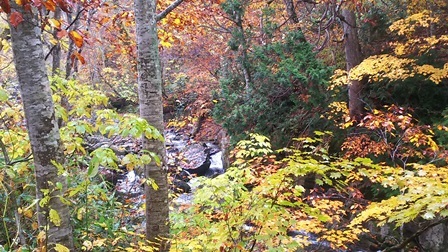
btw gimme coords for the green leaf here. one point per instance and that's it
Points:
(335, 175)
(93, 170)
(3, 95)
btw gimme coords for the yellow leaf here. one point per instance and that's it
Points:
(41, 237)
(87, 245)
(28, 213)
(76, 38)
(99, 242)
(54, 217)
(61, 248)
(54, 23)
(165, 44)
(81, 212)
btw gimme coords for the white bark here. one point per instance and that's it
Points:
(42, 127)
(150, 102)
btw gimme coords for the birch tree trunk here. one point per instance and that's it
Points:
(150, 102)
(42, 128)
(353, 57)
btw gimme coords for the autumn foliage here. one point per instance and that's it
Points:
(269, 76)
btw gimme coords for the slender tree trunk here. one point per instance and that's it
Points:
(69, 65)
(353, 57)
(56, 53)
(42, 128)
(244, 61)
(150, 102)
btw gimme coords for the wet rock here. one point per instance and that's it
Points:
(181, 186)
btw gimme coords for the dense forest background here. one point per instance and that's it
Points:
(331, 116)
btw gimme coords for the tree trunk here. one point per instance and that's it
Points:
(151, 109)
(42, 128)
(69, 64)
(56, 53)
(353, 57)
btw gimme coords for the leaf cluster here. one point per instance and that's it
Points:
(260, 204)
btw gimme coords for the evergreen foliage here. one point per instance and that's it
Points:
(286, 95)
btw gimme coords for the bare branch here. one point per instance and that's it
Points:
(168, 9)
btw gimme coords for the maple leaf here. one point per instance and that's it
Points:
(16, 18)
(5, 6)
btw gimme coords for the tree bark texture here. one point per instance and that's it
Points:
(353, 57)
(42, 126)
(151, 109)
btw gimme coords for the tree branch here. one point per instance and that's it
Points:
(168, 9)
(416, 234)
(67, 28)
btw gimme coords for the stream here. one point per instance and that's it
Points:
(182, 153)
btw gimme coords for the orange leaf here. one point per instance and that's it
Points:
(77, 38)
(50, 5)
(54, 23)
(79, 57)
(21, 2)
(5, 6)
(16, 18)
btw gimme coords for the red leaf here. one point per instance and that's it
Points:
(15, 18)
(5, 6)
(61, 33)
(27, 7)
